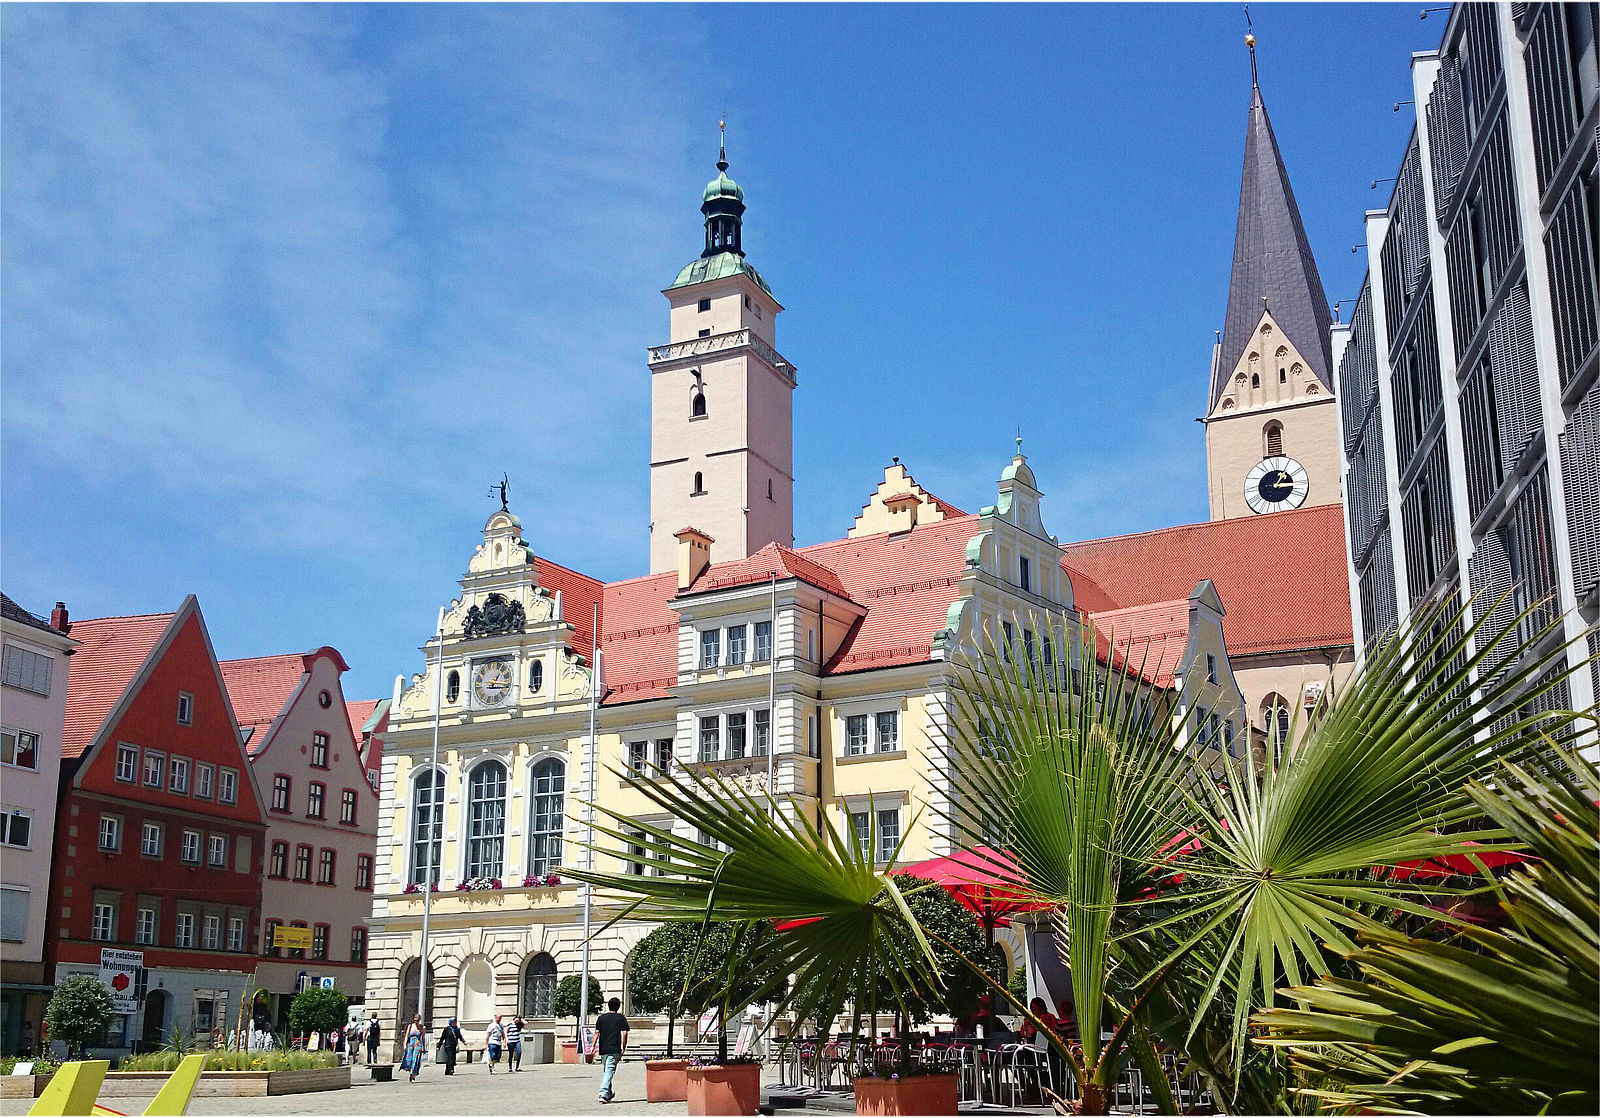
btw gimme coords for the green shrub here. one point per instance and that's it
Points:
(41, 1066)
(565, 1002)
(79, 1012)
(276, 1059)
(316, 1010)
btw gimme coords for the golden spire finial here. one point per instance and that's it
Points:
(722, 143)
(1250, 41)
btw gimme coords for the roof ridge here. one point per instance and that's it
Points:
(570, 570)
(1235, 520)
(932, 525)
(169, 614)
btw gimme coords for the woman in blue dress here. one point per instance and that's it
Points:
(416, 1045)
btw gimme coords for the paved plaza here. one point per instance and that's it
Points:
(537, 1089)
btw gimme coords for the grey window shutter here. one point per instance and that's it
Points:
(1580, 465)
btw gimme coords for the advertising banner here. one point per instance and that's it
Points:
(119, 970)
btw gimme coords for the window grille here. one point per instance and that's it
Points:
(1580, 462)
(1570, 251)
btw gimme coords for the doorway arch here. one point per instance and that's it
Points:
(154, 1031)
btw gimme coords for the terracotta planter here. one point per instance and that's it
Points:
(666, 1081)
(916, 1094)
(724, 1088)
(569, 1052)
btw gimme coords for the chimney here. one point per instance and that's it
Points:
(902, 511)
(694, 555)
(58, 618)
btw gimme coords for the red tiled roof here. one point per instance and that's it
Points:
(1087, 594)
(579, 593)
(772, 560)
(1281, 576)
(1150, 638)
(639, 636)
(259, 687)
(111, 652)
(358, 711)
(906, 581)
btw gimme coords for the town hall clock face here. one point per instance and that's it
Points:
(491, 682)
(1276, 484)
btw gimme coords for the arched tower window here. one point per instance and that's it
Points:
(536, 676)
(697, 405)
(486, 820)
(549, 787)
(1283, 376)
(410, 985)
(452, 687)
(427, 825)
(539, 986)
(699, 485)
(1272, 437)
(1255, 380)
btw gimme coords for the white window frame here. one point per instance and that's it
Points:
(11, 748)
(886, 848)
(708, 724)
(228, 786)
(638, 756)
(183, 936)
(761, 732)
(217, 851)
(150, 839)
(159, 771)
(710, 649)
(743, 730)
(175, 766)
(738, 638)
(127, 763)
(111, 824)
(211, 932)
(205, 780)
(7, 828)
(854, 746)
(235, 933)
(189, 848)
(893, 738)
(185, 709)
(146, 920)
(103, 922)
(755, 642)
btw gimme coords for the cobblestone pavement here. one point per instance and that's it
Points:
(536, 1089)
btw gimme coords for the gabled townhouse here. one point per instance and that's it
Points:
(321, 814)
(33, 710)
(159, 830)
(369, 722)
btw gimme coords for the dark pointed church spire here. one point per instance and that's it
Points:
(1273, 268)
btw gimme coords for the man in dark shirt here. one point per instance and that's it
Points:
(611, 1030)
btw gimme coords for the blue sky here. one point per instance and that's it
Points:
(287, 287)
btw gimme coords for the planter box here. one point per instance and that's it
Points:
(916, 1094)
(724, 1088)
(569, 1052)
(666, 1081)
(224, 1084)
(23, 1086)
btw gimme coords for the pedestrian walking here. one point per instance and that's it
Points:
(494, 1039)
(514, 1044)
(612, 1032)
(374, 1034)
(449, 1039)
(416, 1046)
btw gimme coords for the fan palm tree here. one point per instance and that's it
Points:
(1504, 1022)
(1168, 888)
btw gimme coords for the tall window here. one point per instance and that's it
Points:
(736, 644)
(855, 735)
(185, 936)
(150, 840)
(278, 866)
(427, 826)
(536, 677)
(888, 731)
(127, 763)
(315, 800)
(268, 947)
(347, 806)
(185, 708)
(302, 863)
(319, 750)
(280, 792)
(204, 776)
(144, 928)
(103, 926)
(763, 651)
(539, 986)
(1273, 435)
(664, 754)
(363, 871)
(178, 777)
(211, 933)
(155, 768)
(1025, 573)
(297, 952)
(191, 847)
(319, 941)
(888, 832)
(358, 945)
(325, 867)
(736, 734)
(549, 779)
(217, 851)
(697, 409)
(235, 933)
(861, 825)
(762, 745)
(710, 648)
(638, 754)
(710, 737)
(228, 786)
(110, 833)
(486, 820)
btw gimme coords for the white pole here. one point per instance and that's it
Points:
(772, 699)
(588, 849)
(435, 823)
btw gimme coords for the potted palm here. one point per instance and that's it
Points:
(731, 1082)
(1183, 885)
(660, 980)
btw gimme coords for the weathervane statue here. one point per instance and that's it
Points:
(500, 491)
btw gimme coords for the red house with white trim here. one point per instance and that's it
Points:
(159, 830)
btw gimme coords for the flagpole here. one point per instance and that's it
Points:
(772, 700)
(588, 848)
(435, 823)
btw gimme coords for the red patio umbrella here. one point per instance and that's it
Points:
(986, 881)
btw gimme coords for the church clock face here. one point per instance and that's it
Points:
(1276, 484)
(491, 682)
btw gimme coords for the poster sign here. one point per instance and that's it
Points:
(707, 1024)
(119, 970)
(589, 1040)
(284, 936)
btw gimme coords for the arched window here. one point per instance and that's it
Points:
(1272, 440)
(699, 484)
(1255, 380)
(409, 1007)
(1283, 351)
(769, 489)
(452, 687)
(427, 825)
(697, 405)
(549, 787)
(486, 820)
(539, 986)
(536, 676)
(1275, 716)
(1283, 375)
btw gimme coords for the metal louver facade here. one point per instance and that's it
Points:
(1470, 378)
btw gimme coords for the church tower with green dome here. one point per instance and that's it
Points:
(721, 398)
